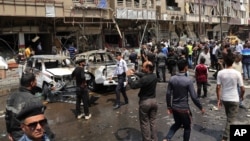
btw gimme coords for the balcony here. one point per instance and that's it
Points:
(142, 4)
(31, 8)
(135, 9)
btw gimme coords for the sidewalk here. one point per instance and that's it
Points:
(10, 82)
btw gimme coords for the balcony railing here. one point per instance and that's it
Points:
(148, 4)
(86, 1)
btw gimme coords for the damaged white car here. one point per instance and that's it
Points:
(52, 71)
(100, 67)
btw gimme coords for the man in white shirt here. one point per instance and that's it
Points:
(205, 54)
(120, 71)
(227, 80)
(238, 47)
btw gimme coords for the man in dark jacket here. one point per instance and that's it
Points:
(133, 58)
(161, 60)
(171, 61)
(82, 94)
(147, 103)
(15, 103)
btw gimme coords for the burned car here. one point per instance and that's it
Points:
(51, 71)
(100, 66)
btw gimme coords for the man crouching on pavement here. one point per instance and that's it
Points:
(147, 103)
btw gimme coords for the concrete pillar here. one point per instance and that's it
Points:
(21, 41)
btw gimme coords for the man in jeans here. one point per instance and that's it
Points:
(227, 80)
(82, 94)
(179, 88)
(246, 62)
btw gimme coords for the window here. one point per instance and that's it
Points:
(213, 11)
(171, 3)
(38, 65)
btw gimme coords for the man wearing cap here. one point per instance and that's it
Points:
(82, 94)
(33, 122)
(15, 103)
(120, 71)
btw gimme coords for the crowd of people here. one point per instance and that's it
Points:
(231, 66)
(25, 118)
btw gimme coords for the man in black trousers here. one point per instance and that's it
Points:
(120, 72)
(178, 91)
(82, 94)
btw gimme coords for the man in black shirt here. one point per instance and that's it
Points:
(147, 103)
(82, 94)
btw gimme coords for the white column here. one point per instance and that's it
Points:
(21, 40)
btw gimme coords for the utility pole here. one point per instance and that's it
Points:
(220, 20)
(199, 32)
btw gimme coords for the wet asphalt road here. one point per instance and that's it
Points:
(107, 124)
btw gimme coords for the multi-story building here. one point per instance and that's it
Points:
(55, 22)
(94, 24)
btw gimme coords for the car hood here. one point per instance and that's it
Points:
(61, 71)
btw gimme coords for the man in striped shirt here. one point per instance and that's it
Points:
(72, 51)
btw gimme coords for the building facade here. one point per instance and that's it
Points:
(95, 24)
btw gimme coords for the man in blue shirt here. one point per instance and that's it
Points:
(72, 51)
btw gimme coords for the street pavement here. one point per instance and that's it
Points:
(107, 124)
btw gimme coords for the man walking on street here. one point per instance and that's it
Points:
(82, 94)
(120, 72)
(161, 62)
(201, 73)
(147, 103)
(227, 80)
(179, 88)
